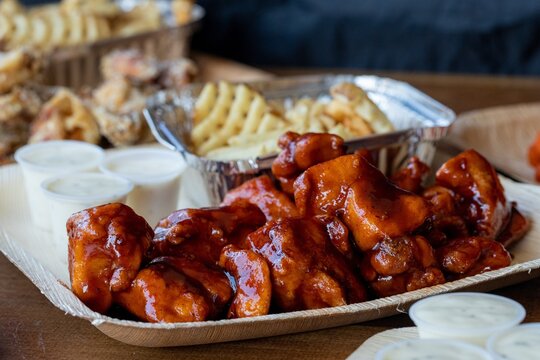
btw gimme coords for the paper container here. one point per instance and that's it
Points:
(419, 120)
(30, 250)
(502, 134)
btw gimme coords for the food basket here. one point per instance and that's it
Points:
(78, 65)
(420, 122)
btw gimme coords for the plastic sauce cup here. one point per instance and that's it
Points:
(156, 176)
(70, 193)
(420, 349)
(467, 316)
(518, 343)
(43, 160)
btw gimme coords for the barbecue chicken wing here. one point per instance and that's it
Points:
(307, 270)
(202, 233)
(262, 193)
(410, 178)
(252, 279)
(106, 248)
(482, 201)
(376, 209)
(472, 255)
(299, 152)
(397, 265)
(162, 293)
(516, 228)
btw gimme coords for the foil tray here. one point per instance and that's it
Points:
(420, 122)
(77, 66)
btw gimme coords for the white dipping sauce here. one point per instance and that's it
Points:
(467, 316)
(519, 343)
(43, 160)
(156, 175)
(70, 193)
(431, 349)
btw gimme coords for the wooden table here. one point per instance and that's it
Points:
(32, 328)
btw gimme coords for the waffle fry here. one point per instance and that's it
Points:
(235, 121)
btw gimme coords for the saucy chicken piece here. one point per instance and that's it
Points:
(322, 189)
(445, 220)
(375, 208)
(534, 156)
(401, 264)
(482, 199)
(516, 229)
(472, 255)
(410, 178)
(307, 270)
(252, 279)
(202, 233)
(212, 280)
(161, 293)
(106, 248)
(262, 193)
(299, 152)
(131, 64)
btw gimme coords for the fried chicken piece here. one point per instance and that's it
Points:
(16, 68)
(516, 229)
(252, 279)
(401, 264)
(202, 233)
(410, 178)
(161, 293)
(534, 156)
(131, 64)
(63, 117)
(482, 199)
(177, 73)
(106, 248)
(375, 208)
(472, 255)
(299, 152)
(262, 193)
(307, 270)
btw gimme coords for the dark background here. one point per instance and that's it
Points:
(467, 36)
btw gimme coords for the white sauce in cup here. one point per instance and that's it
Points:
(43, 160)
(471, 317)
(431, 349)
(518, 343)
(156, 175)
(70, 193)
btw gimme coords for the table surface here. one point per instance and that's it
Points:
(32, 328)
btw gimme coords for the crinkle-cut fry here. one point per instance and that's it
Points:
(40, 31)
(58, 26)
(104, 29)
(239, 140)
(92, 28)
(233, 122)
(76, 28)
(343, 113)
(22, 30)
(6, 28)
(269, 122)
(256, 110)
(207, 128)
(250, 150)
(205, 102)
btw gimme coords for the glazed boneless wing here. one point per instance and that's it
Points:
(107, 245)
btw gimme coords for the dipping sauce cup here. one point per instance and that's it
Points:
(70, 193)
(156, 176)
(518, 343)
(43, 160)
(467, 316)
(420, 349)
